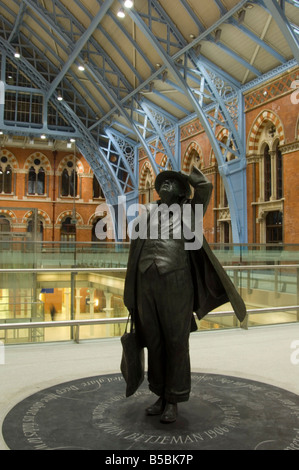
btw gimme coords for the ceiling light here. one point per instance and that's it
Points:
(81, 68)
(43, 137)
(59, 97)
(121, 13)
(129, 3)
(1, 132)
(72, 141)
(17, 53)
(217, 35)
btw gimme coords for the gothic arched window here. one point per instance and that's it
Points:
(97, 190)
(69, 181)
(279, 174)
(5, 179)
(36, 179)
(267, 173)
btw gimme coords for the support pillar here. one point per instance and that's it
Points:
(109, 310)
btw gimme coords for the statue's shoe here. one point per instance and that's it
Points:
(170, 413)
(157, 408)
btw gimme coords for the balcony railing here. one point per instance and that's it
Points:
(90, 301)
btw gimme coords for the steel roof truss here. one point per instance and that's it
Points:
(238, 205)
(281, 19)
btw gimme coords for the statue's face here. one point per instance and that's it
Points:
(171, 191)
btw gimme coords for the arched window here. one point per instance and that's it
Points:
(69, 181)
(5, 179)
(94, 237)
(97, 190)
(279, 174)
(267, 173)
(4, 225)
(4, 232)
(194, 159)
(39, 235)
(68, 230)
(36, 179)
(274, 227)
(147, 187)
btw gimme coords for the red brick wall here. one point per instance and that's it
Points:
(51, 205)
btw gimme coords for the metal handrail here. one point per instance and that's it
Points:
(99, 321)
(123, 270)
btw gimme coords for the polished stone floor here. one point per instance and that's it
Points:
(264, 354)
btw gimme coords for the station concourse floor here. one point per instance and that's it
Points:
(262, 354)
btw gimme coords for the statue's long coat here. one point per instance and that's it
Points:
(212, 286)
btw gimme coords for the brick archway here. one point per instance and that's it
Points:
(41, 214)
(220, 136)
(186, 163)
(65, 160)
(65, 214)
(145, 170)
(9, 215)
(44, 162)
(12, 161)
(258, 126)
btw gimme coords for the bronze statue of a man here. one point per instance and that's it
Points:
(166, 283)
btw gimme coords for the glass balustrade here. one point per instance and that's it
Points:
(87, 282)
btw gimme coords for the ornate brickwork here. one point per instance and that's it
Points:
(188, 157)
(146, 168)
(44, 162)
(191, 129)
(257, 128)
(270, 91)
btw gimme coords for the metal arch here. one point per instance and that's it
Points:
(85, 142)
(23, 43)
(219, 44)
(284, 25)
(95, 75)
(105, 151)
(80, 45)
(18, 22)
(233, 173)
(166, 127)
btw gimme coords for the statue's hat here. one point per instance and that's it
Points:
(169, 174)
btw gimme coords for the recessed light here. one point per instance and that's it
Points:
(121, 13)
(17, 53)
(129, 4)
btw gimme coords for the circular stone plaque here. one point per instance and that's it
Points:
(93, 414)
